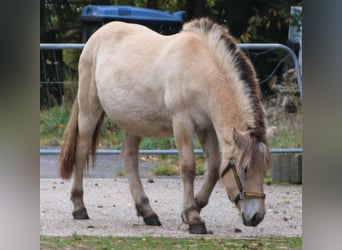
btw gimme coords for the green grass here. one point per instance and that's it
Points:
(289, 131)
(54, 120)
(169, 166)
(52, 125)
(166, 170)
(95, 242)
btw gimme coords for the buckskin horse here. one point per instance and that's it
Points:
(196, 82)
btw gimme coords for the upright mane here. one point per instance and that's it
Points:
(224, 47)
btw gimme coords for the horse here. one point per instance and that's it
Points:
(195, 82)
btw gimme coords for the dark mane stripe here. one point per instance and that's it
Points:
(244, 67)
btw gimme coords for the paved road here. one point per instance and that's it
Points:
(107, 166)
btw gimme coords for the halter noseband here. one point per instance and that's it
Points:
(243, 194)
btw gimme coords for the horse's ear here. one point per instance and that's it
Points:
(270, 132)
(239, 139)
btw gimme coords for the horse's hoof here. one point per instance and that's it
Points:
(80, 214)
(198, 228)
(152, 220)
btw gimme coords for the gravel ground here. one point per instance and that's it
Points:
(112, 210)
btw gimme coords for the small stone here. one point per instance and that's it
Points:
(150, 180)
(237, 230)
(286, 201)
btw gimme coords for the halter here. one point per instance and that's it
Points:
(243, 194)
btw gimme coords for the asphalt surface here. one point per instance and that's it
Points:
(107, 166)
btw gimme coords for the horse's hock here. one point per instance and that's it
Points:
(287, 168)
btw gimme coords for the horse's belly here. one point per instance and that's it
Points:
(143, 125)
(137, 115)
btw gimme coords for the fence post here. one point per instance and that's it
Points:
(287, 168)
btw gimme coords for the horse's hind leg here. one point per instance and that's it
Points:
(88, 119)
(130, 155)
(208, 140)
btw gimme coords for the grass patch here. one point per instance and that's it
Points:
(169, 166)
(52, 124)
(94, 242)
(121, 173)
(289, 131)
(53, 121)
(166, 170)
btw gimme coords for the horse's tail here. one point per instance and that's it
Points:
(67, 155)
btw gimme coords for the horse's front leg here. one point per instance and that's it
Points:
(209, 142)
(183, 133)
(130, 152)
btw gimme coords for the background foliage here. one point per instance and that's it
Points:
(248, 20)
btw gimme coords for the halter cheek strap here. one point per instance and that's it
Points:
(243, 194)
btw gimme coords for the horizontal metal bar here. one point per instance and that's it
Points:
(286, 150)
(56, 151)
(241, 45)
(257, 46)
(62, 45)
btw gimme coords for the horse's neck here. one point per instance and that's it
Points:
(226, 113)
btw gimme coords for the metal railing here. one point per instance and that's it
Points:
(56, 151)
(247, 46)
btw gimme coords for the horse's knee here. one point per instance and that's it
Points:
(188, 169)
(188, 174)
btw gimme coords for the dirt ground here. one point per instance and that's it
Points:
(112, 211)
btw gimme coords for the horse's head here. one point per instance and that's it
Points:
(243, 176)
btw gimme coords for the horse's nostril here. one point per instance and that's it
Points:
(256, 219)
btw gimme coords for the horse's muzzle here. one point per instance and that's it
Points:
(253, 220)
